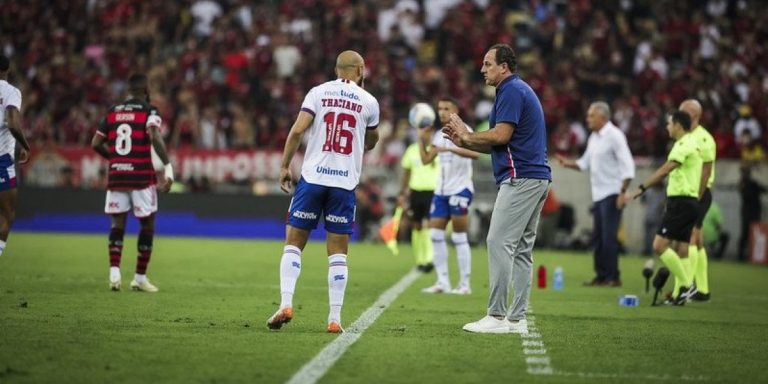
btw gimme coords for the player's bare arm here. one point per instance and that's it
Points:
(706, 171)
(621, 200)
(654, 179)
(428, 153)
(371, 138)
(456, 131)
(159, 145)
(14, 126)
(463, 152)
(404, 186)
(99, 144)
(566, 162)
(300, 126)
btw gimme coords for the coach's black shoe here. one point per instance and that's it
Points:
(701, 297)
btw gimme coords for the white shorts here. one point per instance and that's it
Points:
(144, 202)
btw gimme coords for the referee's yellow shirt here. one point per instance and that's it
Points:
(684, 180)
(707, 149)
(423, 177)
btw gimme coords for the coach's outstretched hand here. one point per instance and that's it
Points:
(286, 180)
(456, 130)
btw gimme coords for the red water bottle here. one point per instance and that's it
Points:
(542, 277)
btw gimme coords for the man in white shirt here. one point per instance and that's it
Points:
(10, 133)
(341, 119)
(611, 170)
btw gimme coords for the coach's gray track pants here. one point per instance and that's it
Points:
(510, 244)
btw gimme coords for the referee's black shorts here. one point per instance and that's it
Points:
(680, 216)
(704, 204)
(420, 202)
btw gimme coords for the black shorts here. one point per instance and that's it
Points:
(704, 204)
(680, 216)
(419, 205)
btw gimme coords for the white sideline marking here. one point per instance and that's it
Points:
(538, 363)
(324, 360)
(536, 359)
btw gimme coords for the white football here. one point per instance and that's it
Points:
(421, 115)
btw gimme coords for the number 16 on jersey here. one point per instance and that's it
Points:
(338, 134)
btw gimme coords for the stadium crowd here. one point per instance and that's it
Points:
(230, 74)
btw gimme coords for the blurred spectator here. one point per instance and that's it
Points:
(746, 122)
(286, 56)
(205, 12)
(751, 150)
(259, 58)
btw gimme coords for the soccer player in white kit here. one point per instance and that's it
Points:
(341, 118)
(453, 194)
(10, 133)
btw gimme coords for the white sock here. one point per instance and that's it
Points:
(337, 284)
(114, 273)
(463, 256)
(440, 249)
(140, 278)
(2, 247)
(290, 268)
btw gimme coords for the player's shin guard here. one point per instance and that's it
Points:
(145, 250)
(337, 284)
(463, 256)
(290, 269)
(440, 249)
(115, 246)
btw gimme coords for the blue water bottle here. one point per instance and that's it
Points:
(558, 280)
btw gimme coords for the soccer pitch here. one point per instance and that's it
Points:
(60, 323)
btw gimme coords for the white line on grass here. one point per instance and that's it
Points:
(324, 360)
(533, 348)
(539, 363)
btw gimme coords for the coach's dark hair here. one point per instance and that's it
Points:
(682, 118)
(5, 64)
(505, 54)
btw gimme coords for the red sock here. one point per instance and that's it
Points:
(115, 246)
(145, 250)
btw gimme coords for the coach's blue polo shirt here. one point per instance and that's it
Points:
(525, 156)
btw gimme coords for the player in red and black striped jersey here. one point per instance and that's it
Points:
(125, 138)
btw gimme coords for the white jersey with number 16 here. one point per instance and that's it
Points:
(343, 112)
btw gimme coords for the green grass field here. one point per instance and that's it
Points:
(59, 322)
